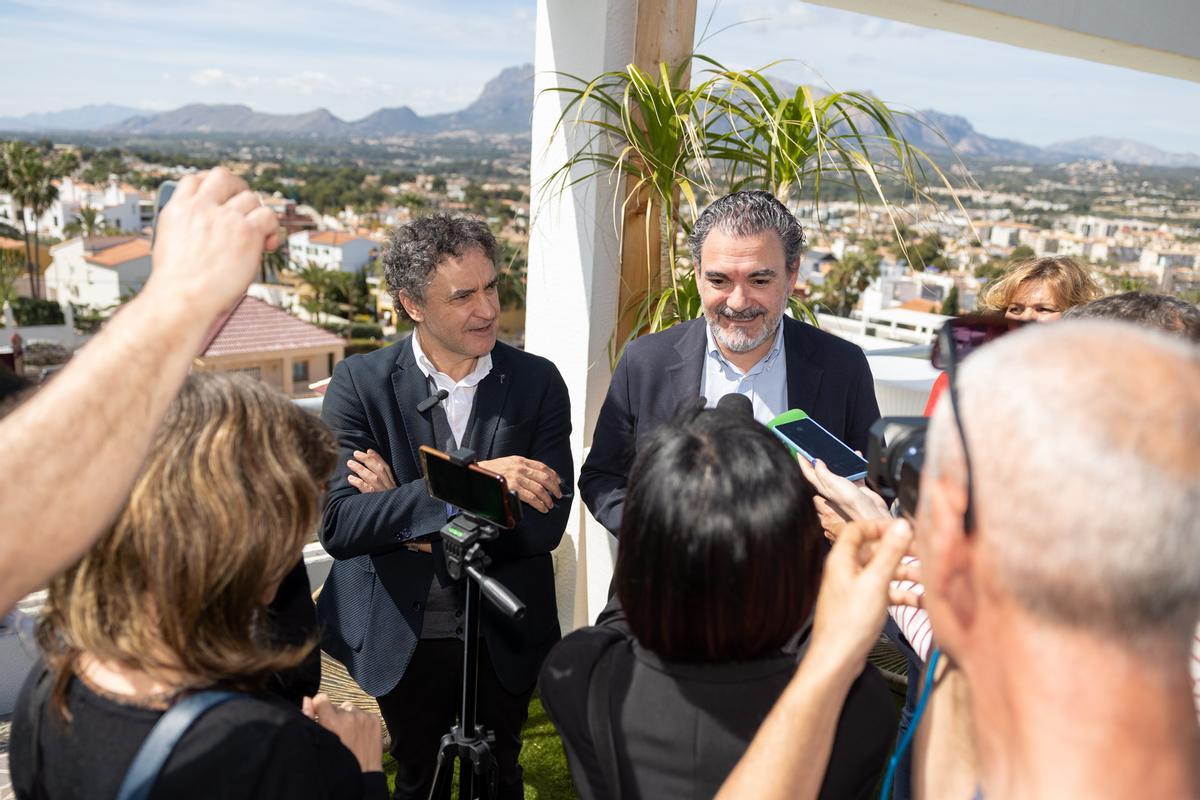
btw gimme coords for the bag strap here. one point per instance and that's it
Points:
(600, 715)
(39, 701)
(166, 733)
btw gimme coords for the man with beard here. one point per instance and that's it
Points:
(746, 248)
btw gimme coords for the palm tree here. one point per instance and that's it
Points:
(86, 223)
(29, 176)
(274, 262)
(43, 193)
(13, 158)
(319, 282)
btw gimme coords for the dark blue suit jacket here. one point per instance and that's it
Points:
(371, 607)
(826, 376)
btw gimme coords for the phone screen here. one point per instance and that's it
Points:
(165, 190)
(815, 442)
(470, 488)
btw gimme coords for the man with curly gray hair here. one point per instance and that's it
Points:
(746, 249)
(389, 610)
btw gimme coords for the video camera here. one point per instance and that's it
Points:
(896, 445)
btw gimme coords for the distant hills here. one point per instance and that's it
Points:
(1125, 150)
(506, 105)
(76, 119)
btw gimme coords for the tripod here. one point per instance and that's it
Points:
(469, 742)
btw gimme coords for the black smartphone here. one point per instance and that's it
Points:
(806, 437)
(469, 487)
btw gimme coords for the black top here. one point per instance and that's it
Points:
(245, 748)
(677, 730)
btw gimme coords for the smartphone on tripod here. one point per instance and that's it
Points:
(481, 505)
(469, 487)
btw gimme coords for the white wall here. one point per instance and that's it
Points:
(574, 259)
(71, 277)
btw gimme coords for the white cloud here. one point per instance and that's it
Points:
(309, 82)
(213, 76)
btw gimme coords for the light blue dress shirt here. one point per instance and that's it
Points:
(765, 384)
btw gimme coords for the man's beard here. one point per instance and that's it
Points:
(736, 340)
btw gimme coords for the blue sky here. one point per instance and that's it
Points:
(354, 56)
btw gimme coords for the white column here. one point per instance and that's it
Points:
(574, 256)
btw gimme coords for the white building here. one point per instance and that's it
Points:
(897, 285)
(346, 252)
(118, 205)
(1162, 262)
(99, 271)
(1011, 234)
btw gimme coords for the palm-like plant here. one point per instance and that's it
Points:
(274, 262)
(320, 283)
(13, 158)
(86, 223)
(734, 130)
(29, 176)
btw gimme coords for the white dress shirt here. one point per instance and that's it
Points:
(460, 394)
(765, 384)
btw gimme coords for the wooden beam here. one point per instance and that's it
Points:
(665, 32)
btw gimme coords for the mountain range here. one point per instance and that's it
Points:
(505, 106)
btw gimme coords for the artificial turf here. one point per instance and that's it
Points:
(546, 774)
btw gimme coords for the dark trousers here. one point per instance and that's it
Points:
(426, 702)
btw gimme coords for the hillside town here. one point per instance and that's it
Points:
(861, 259)
(339, 188)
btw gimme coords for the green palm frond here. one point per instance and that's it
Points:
(732, 130)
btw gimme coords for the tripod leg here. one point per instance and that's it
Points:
(440, 790)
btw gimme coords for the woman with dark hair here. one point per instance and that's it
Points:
(717, 573)
(173, 600)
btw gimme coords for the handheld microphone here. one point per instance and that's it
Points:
(432, 400)
(736, 404)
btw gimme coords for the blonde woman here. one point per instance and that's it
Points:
(173, 600)
(1040, 289)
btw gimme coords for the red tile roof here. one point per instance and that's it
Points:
(11, 244)
(332, 237)
(118, 254)
(94, 244)
(256, 327)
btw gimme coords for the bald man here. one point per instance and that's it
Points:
(1069, 605)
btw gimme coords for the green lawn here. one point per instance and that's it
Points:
(546, 774)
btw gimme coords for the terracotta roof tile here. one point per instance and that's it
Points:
(11, 244)
(332, 237)
(94, 244)
(255, 327)
(116, 255)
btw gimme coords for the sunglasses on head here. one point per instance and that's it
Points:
(960, 336)
(956, 340)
